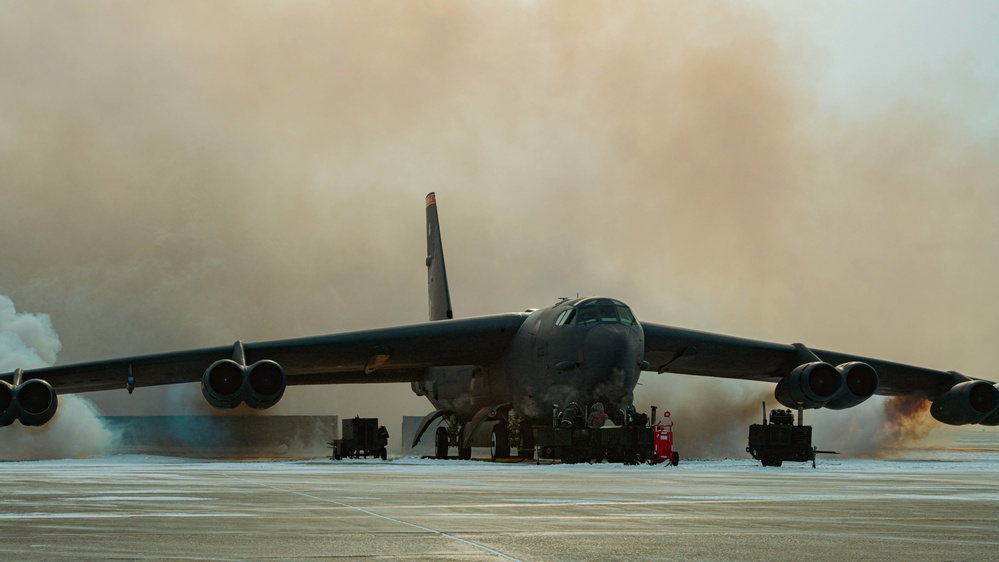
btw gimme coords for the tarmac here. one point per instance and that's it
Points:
(152, 508)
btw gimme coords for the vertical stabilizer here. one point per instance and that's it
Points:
(440, 298)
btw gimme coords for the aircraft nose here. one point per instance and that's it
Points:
(611, 358)
(610, 345)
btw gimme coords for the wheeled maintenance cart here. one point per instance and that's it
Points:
(362, 437)
(781, 440)
(574, 438)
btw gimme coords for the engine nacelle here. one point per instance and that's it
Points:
(227, 384)
(967, 402)
(993, 418)
(860, 383)
(264, 385)
(222, 384)
(8, 409)
(36, 402)
(811, 385)
(33, 402)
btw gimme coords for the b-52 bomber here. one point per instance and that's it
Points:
(493, 379)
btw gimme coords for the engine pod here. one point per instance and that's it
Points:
(860, 381)
(264, 384)
(36, 402)
(8, 409)
(965, 403)
(222, 384)
(811, 385)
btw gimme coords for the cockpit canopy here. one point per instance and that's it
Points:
(597, 311)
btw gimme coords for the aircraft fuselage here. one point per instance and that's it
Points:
(584, 350)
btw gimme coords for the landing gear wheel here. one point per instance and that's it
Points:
(464, 453)
(440, 442)
(526, 450)
(499, 442)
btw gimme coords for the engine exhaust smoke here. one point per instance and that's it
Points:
(30, 341)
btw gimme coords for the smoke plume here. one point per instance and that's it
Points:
(185, 174)
(29, 341)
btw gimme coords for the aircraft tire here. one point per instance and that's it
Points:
(499, 442)
(440, 441)
(464, 453)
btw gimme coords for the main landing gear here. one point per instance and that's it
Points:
(450, 436)
(507, 434)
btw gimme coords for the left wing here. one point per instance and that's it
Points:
(956, 398)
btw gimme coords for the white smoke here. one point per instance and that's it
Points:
(29, 341)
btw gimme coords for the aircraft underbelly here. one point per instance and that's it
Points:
(462, 389)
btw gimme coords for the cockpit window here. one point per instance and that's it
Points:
(608, 313)
(565, 317)
(625, 314)
(561, 318)
(588, 315)
(605, 311)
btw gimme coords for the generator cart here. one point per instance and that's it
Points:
(781, 440)
(362, 437)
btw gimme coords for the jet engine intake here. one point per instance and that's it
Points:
(861, 381)
(227, 384)
(37, 402)
(32, 402)
(8, 409)
(265, 383)
(811, 385)
(993, 418)
(966, 403)
(222, 384)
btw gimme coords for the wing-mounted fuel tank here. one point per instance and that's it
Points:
(817, 384)
(227, 383)
(32, 402)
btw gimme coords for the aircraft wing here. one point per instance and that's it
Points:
(399, 354)
(678, 350)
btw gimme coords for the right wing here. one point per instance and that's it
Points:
(398, 354)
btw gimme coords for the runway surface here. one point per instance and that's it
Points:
(138, 507)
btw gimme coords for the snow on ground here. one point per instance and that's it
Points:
(909, 461)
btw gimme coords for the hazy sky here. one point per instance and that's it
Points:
(182, 174)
